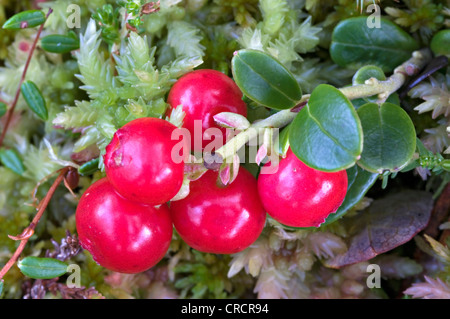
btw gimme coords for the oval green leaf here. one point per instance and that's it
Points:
(326, 134)
(354, 44)
(440, 43)
(58, 43)
(265, 80)
(389, 137)
(25, 19)
(3, 109)
(34, 99)
(11, 160)
(359, 182)
(42, 268)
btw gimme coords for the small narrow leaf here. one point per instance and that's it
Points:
(58, 43)
(3, 109)
(389, 137)
(265, 80)
(34, 99)
(10, 159)
(89, 168)
(25, 19)
(326, 134)
(42, 268)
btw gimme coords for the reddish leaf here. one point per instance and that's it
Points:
(385, 225)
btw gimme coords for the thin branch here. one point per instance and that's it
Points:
(280, 119)
(29, 231)
(22, 79)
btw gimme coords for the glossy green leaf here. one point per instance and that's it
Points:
(440, 43)
(10, 159)
(389, 137)
(326, 134)
(359, 182)
(34, 99)
(89, 168)
(265, 80)
(42, 268)
(365, 73)
(354, 44)
(25, 19)
(3, 109)
(58, 43)
(393, 98)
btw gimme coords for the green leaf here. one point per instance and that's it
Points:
(1, 287)
(326, 134)
(354, 44)
(393, 98)
(57, 43)
(265, 80)
(89, 168)
(42, 268)
(389, 137)
(440, 43)
(365, 73)
(25, 19)
(3, 109)
(359, 182)
(10, 159)
(34, 99)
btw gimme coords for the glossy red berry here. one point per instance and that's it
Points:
(300, 196)
(203, 94)
(217, 219)
(140, 164)
(122, 235)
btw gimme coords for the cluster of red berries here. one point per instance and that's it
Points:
(126, 219)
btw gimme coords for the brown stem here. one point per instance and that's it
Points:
(16, 97)
(42, 206)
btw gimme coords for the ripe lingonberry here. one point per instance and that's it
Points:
(122, 235)
(220, 219)
(203, 94)
(140, 164)
(300, 196)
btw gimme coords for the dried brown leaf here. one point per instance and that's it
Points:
(385, 225)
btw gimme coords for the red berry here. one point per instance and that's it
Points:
(139, 161)
(217, 219)
(203, 94)
(300, 196)
(122, 235)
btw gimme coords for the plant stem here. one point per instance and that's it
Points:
(280, 119)
(385, 88)
(22, 79)
(28, 232)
